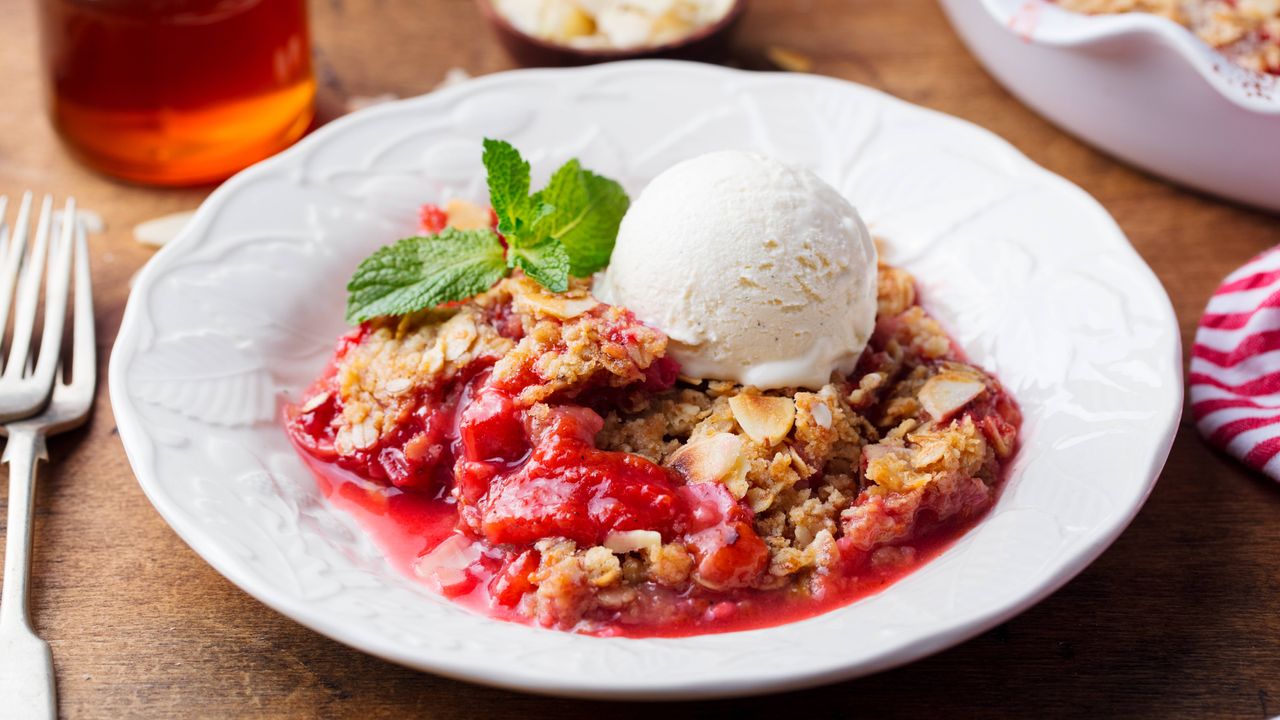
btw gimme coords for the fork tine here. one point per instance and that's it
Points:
(84, 360)
(21, 226)
(57, 288)
(24, 316)
(11, 260)
(4, 226)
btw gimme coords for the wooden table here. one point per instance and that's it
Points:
(1178, 619)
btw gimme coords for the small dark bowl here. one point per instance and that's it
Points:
(708, 44)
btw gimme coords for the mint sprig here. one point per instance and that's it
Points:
(422, 272)
(566, 229)
(578, 210)
(586, 210)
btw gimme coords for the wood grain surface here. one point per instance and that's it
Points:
(1178, 619)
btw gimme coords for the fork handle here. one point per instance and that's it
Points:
(26, 663)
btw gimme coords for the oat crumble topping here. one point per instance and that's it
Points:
(914, 439)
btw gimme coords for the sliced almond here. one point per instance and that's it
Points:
(887, 466)
(871, 453)
(433, 360)
(637, 355)
(715, 458)
(946, 393)
(1001, 439)
(161, 230)
(315, 402)
(466, 216)
(621, 543)
(930, 451)
(453, 555)
(456, 336)
(766, 419)
(562, 21)
(556, 306)
(396, 386)
(362, 435)
(822, 415)
(760, 499)
(789, 60)
(799, 464)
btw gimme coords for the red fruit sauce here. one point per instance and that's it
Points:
(408, 526)
(462, 488)
(464, 514)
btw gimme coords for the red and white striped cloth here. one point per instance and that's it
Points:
(1235, 365)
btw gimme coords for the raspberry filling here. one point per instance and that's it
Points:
(517, 472)
(523, 476)
(475, 469)
(515, 475)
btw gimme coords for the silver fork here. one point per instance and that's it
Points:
(27, 687)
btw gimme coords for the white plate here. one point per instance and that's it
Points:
(1031, 275)
(1138, 86)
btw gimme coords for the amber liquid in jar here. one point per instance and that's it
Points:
(177, 92)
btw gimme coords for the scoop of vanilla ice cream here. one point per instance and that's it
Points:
(759, 272)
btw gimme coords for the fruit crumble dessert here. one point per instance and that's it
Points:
(544, 456)
(1246, 31)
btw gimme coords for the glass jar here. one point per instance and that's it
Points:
(177, 92)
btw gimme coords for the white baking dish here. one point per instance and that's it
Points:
(1139, 87)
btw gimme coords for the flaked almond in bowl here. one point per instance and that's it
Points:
(581, 32)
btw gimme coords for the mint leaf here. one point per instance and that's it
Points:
(568, 228)
(422, 272)
(508, 176)
(586, 212)
(579, 209)
(545, 261)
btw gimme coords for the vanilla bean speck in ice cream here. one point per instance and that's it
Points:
(759, 272)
